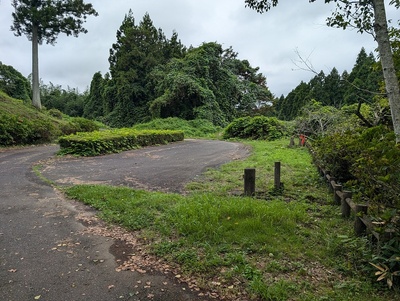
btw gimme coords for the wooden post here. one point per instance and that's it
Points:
(359, 226)
(345, 207)
(330, 184)
(249, 181)
(336, 198)
(291, 144)
(277, 176)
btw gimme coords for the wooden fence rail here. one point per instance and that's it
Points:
(343, 198)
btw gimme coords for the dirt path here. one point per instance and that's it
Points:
(51, 249)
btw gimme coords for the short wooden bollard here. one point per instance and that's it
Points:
(345, 207)
(249, 181)
(359, 226)
(277, 176)
(336, 197)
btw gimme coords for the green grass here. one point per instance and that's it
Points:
(285, 245)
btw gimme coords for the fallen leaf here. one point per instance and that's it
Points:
(111, 286)
(12, 270)
(38, 297)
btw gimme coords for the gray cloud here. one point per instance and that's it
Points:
(268, 41)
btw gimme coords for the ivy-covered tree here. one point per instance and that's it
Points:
(94, 105)
(208, 83)
(44, 20)
(366, 16)
(14, 83)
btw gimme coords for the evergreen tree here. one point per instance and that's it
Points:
(334, 90)
(138, 50)
(317, 88)
(43, 20)
(364, 79)
(295, 101)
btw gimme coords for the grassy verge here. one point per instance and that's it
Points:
(286, 245)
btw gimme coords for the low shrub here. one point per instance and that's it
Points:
(259, 127)
(13, 130)
(18, 130)
(368, 161)
(113, 141)
(55, 113)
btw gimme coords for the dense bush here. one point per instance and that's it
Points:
(259, 127)
(113, 141)
(18, 130)
(191, 128)
(368, 161)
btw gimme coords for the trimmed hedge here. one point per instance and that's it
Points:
(114, 141)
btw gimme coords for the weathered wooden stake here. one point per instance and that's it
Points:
(291, 143)
(331, 180)
(277, 176)
(359, 226)
(336, 198)
(249, 181)
(345, 207)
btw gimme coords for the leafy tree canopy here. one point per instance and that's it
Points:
(14, 83)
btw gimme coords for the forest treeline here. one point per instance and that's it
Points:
(152, 76)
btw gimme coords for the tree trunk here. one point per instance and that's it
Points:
(386, 56)
(35, 68)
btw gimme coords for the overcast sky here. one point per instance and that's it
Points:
(268, 40)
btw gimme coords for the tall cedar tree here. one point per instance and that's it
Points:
(138, 50)
(43, 20)
(366, 16)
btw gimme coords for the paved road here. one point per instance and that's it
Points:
(162, 168)
(46, 252)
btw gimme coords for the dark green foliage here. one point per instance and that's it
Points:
(153, 77)
(14, 83)
(334, 90)
(94, 105)
(69, 101)
(363, 83)
(138, 50)
(289, 107)
(368, 161)
(259, 127)
(208, 83)
(113, 141)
